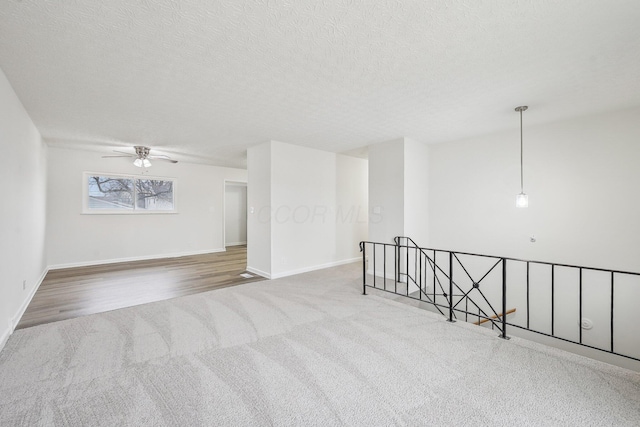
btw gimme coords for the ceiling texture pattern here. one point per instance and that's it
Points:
(206, 79)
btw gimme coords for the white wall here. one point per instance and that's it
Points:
(317, 206)
(23, 171)
(582, 179)
(235, 214)
(386, 191)
(416, 191)
(352, 204)
(398, 188)
(303, 198)
(77, 239)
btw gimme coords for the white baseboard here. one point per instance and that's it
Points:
(23, 307)
(13, 322)
(140, 258)
(258, 272)
(4, 335)
(236, 243)
(315, 267)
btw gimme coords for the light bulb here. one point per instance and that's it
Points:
(146, 163)
(138, 162)
(522, 200)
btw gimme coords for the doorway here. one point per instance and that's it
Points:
(235, 213)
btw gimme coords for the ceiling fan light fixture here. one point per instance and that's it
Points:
(142, 163)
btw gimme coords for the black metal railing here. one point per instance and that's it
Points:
(549, 299)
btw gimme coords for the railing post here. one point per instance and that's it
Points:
(397, 241)
(612, 311)
(553, 299)
(406, 271)
(364, 267)
(384, 267)
(450, 319)
(374, 265)
(504, 300)
(395, 268)
(434, 274)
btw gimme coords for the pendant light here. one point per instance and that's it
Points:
(522, 200)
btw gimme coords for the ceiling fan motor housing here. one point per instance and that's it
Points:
(141, 152)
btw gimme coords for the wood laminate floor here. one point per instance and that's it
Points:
(74, 292)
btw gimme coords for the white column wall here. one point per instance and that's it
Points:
(23, 172)
(259, 207)
(386, 191)
(398, 200)
(316, 202)
(303, 196)
(416, 191)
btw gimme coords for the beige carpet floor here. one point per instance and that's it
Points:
(305, 350)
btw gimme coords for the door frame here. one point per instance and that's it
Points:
(229, 183)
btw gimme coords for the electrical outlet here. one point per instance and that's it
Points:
(24, 284)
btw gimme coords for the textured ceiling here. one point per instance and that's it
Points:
(206, 79)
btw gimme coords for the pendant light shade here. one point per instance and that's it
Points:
(522, 200)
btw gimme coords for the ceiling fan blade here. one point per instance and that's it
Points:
(165, 158)
(142, 153)
(128, 154)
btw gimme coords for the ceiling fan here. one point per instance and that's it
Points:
(142, 156)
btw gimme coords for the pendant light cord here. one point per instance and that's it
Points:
(521, 167)
(520, 110)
